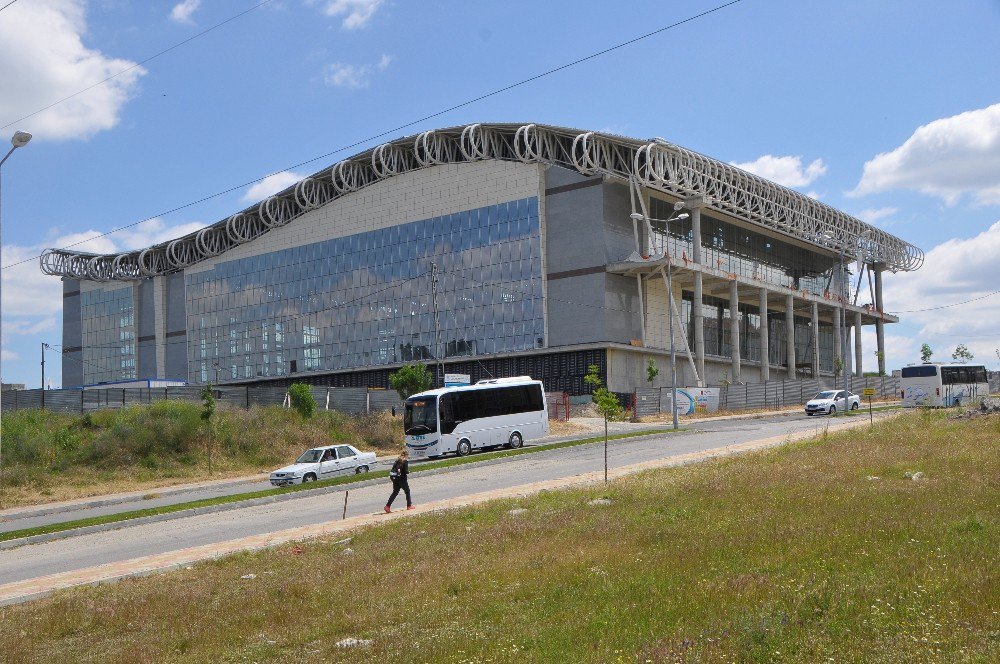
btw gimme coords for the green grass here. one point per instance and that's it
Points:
(51, 456)
(790, 555)
(265, 493)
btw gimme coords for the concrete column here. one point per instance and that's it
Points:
(697, 318)
(790, 333)
(838, 339)
(815, 340)
(642, 310)
(857, 345)
(734, 327)
(879, 323)
(765, 361)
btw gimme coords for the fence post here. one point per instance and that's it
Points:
(248, 397)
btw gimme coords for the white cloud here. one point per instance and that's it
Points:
(32, 300)
(343, 75)
(152, 232)
(10, 356)
(946, 158)
(356, 13)
(871, 215)
(44, 60)
(787, 171)
(955, 271)
(182, 11)
(270, 185)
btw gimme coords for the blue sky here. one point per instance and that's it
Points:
(887, 110)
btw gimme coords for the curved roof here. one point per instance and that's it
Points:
(656, 164)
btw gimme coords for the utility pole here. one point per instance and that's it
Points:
(43, 375)
(439, 367)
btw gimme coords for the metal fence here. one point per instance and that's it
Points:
(353, 400)
(772, 394)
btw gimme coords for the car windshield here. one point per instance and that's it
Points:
(420, 416)
(829, 394)
(310, 456)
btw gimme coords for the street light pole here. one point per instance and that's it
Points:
(678, 215)
(845, 293)
(18, 140)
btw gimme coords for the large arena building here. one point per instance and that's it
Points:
(500, 249)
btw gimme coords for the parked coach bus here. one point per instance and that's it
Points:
(943, 385)
(503, 411)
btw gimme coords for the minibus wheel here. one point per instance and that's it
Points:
(464, 448)
(515, 441)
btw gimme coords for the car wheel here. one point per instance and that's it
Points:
(833, 411)
(464, 448)
(308, 477)
(361, 470)
(809, 414)
(515, 441)
(855, 406)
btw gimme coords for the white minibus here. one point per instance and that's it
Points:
(501, 411)
(942, 385)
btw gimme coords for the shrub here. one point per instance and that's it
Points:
(411, 379)
(302, 399)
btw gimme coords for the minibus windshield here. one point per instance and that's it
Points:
(420, 416)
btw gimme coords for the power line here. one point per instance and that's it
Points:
(7, 5)
(400, 127)
(137, 64)
(946, 306)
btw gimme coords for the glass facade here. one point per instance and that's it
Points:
(738, 250)
(108, 321)
(366, 299)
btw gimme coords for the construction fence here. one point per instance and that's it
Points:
(774, 394)
(352, 400)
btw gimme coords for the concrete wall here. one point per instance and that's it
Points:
(72, 336)
(176, 329)
(574, 258)
(145, 319)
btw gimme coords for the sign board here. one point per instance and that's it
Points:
(705, 398)
(868, 392)
(457, 380)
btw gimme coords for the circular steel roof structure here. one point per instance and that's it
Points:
(656, 164)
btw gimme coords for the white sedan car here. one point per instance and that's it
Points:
(829, 402)
(323, 463)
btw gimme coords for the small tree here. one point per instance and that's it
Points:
(838, 366)
(880, 359)
(652, 371)
(607, 405)
(411, 379)
(302, 399)
(207, 413)
(962, 353)
(925, 353)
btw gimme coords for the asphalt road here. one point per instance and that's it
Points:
(83, 551)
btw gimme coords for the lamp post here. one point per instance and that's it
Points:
(18, 140)
(678, 215)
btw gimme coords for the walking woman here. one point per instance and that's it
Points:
(399, 471)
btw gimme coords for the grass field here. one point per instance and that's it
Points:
(818, 551)
(50, 456)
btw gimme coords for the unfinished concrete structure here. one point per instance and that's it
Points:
(553, 249)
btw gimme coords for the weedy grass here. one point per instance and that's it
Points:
(816, 551)
(51, 456)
